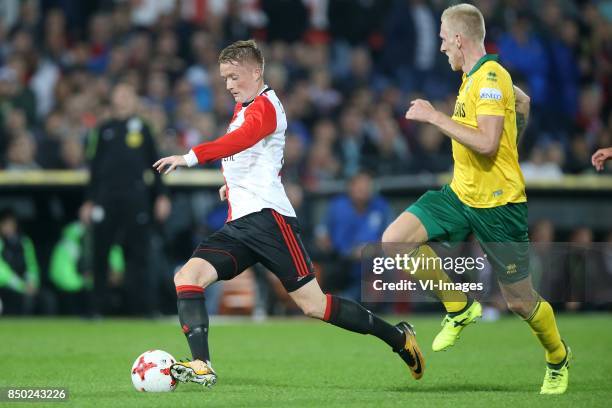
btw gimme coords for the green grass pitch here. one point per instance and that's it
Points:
(307, 363)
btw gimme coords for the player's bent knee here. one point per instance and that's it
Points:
(310, 299)
(185, 276)
(520, 307)
(198, 272)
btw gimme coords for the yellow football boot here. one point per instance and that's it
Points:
(452, 326)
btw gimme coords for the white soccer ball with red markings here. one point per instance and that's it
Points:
(151, 372)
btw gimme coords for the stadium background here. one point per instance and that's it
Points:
(345, 71)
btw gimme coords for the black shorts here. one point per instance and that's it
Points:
(265, 236)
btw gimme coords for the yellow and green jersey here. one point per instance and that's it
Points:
(480, 181)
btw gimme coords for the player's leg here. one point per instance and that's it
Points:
(220, 257)
(276, 241)
(190, 282)
(503, 235)
(406, 228)
(350, 315)
(524, 301)
(437, 215)
(345, 313)
(407, 233)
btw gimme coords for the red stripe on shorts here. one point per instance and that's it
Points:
(292, 249)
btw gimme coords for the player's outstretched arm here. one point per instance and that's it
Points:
(169, 163)
(259, 122)
(599, 158)
(484, 139)
(522, 107)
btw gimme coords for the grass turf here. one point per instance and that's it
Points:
(307, 363)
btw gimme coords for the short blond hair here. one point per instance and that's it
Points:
(467, 20)
(241, 52)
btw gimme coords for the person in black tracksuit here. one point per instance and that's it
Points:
(118, 200)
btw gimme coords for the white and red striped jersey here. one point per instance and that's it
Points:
(252, 157)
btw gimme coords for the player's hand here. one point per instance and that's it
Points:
(421, 111)
(171, 162)
(599, 158)
(223, 192)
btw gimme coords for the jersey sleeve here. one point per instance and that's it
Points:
(259, 122)
(492, 92)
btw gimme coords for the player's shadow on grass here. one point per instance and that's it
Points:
(457, 388)
(259, 382)
(410, 386)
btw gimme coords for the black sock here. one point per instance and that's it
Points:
(194, 319)
(352, 316)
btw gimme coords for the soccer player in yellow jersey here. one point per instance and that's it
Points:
(487, 194)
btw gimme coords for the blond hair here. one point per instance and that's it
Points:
(467, 20)
(241, 52)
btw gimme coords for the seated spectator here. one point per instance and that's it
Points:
(392, 149)
(19, 272)
(579, 158)
(49, 152)
(352, 221)
(360, 72)
(70, 268)
(325, 98)
(72, 154)
(293, 159)
(432, 153)
(355, 145)
(544, 163)
(16, 90)
(321, 166)
(590, 107)
(21, 153)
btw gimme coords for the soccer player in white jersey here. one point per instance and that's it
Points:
(261, 224)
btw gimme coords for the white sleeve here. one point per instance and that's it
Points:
(191, 158)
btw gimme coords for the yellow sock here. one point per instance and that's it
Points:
(453, 300)
(543, 325)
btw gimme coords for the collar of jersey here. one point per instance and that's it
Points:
(482, 60)
(266, 89)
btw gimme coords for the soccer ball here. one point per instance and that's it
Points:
(151, 372)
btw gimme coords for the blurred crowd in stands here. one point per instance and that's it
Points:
(345, 71)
